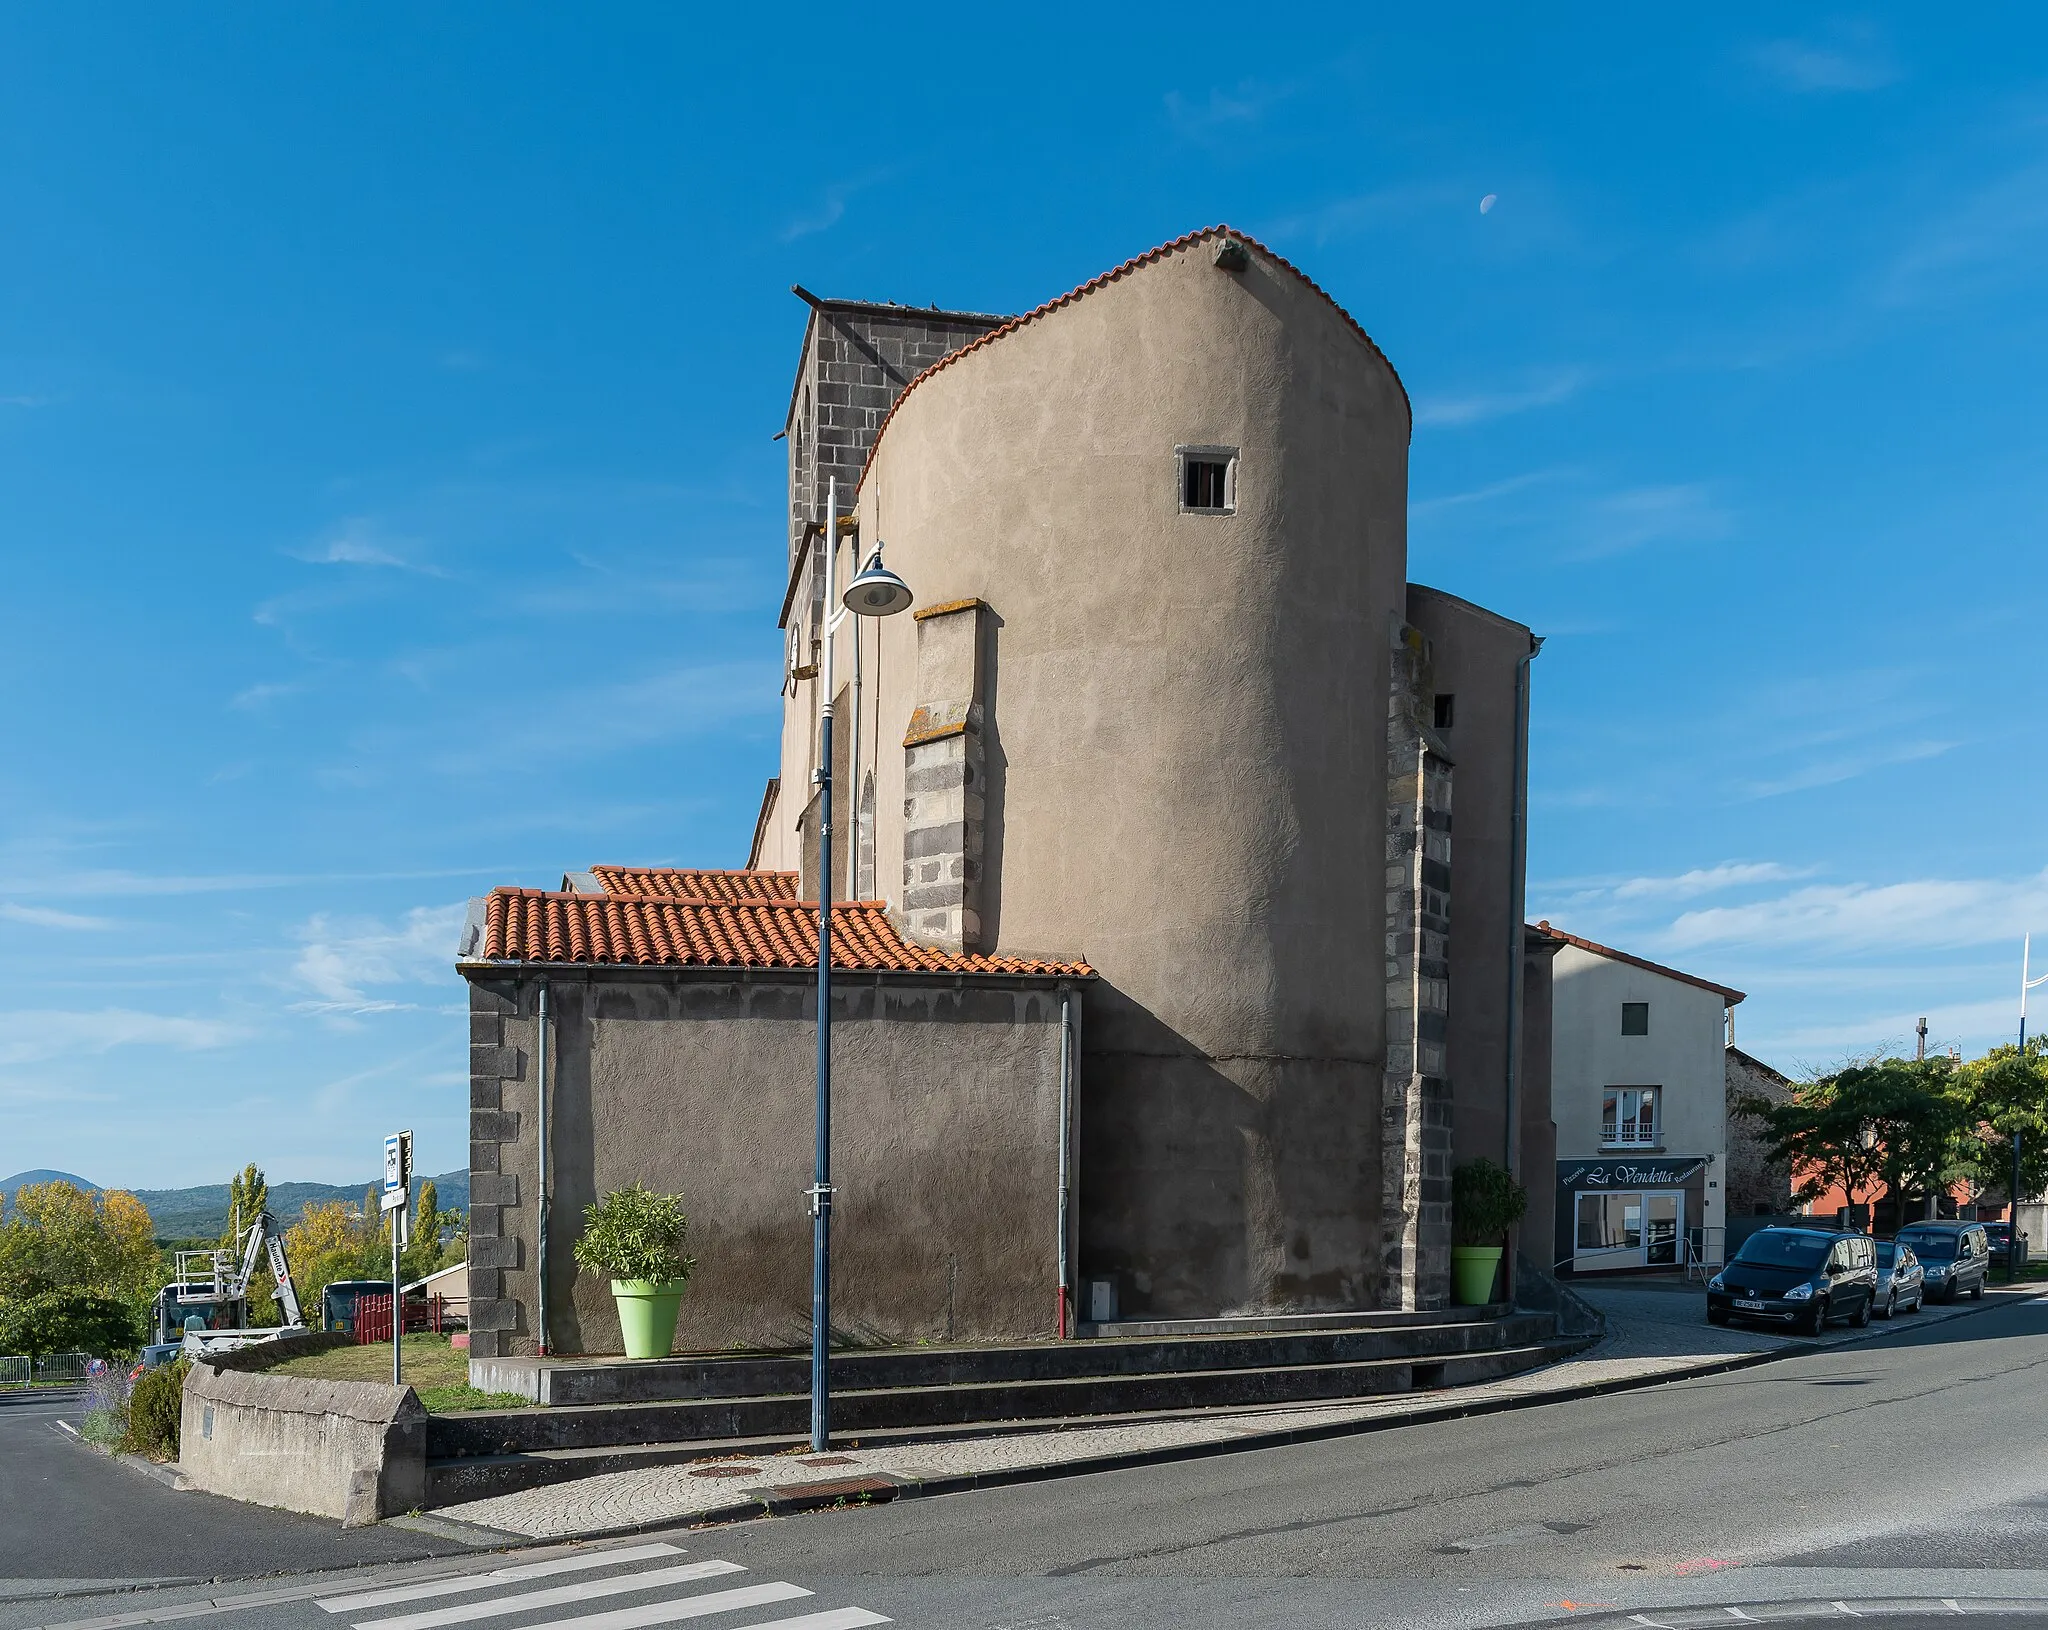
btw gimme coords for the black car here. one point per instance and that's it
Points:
(1797, 1276)
(1999, 1237)
(1957, 1256)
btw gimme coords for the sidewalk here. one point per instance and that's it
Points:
(1655, 1333)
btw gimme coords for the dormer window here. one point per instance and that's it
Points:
(1208, 480)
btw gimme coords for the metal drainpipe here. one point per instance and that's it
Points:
(1517, 896)
(1066, 1288)
(540, 1072)
(853, 762)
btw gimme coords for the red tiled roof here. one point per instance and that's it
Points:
(1111, 276)
(1730, 996)
(538, 925)
(680, 883)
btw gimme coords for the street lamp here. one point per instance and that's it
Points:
(874, 592)
(2012, 1236)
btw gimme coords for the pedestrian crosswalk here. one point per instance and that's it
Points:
(495, 1595)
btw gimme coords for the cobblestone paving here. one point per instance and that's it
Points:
(1651, 1332)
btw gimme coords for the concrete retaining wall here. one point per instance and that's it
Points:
(352, 1450)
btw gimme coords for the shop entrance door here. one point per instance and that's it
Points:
(1623, 1230)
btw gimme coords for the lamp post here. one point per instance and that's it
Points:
(874, 592)
(2012, 1236)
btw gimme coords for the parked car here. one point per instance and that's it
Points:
(1956, 1255)
(1797, 1276)
(2000, 1236)
(1901, 1281)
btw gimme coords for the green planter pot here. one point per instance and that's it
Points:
(647, 1315)
(1473, 1271)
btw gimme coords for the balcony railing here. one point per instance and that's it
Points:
(1627, 1135)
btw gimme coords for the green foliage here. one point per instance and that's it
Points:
(634, 1233)
(68, 1321)
(153, 1410)
(1486, 1202)
(60, 1237)
(248, 1199)
(447, 1400)
(2008, 1091)
(1897, 1126)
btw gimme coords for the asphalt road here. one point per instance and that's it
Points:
(1911, 1467)
(70, 1513)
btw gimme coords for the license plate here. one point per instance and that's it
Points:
(1752, 1307)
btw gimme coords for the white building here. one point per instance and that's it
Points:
(1639, 1095)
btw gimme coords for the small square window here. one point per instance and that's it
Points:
(1446, 711)
(1208, 480)
(1635, 1018)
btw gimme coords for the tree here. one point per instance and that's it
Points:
(67, 1321)
(1893, 1126)
(331, 1241)
(63, 1238)
(2008, 1093)
(248, 1199)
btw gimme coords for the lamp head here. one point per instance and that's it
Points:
(876, 591)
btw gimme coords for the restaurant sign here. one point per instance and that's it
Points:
(1669, 1172)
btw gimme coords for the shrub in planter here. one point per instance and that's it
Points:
(634, 1237)
(1486, 1202)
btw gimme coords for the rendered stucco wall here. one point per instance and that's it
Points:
(1184, 746)
(1682, 1054)
(945, 1153)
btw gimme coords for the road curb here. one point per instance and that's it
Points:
(794, 1501)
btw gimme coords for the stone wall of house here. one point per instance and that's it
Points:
(945, 1152)
(1754, 1185)
(945, 781)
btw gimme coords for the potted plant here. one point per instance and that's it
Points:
(1486, 1202)
(634, 1237)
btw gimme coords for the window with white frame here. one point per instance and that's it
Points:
(1628, 1117)
(1207, 480)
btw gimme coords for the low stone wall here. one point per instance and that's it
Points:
(352, 1450)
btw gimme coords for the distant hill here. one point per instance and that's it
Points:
(23, 1179)
(202, 1212)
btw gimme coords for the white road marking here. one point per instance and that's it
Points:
(527, 1601)
(687, 1607)
(1844, 1607)
(838, 1618)
(500, 1576)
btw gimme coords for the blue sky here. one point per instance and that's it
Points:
(388, 507)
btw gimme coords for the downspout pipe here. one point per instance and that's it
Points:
(1064, 1312)
(1518, 887)
(540, 1075)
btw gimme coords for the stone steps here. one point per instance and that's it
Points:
(960, 1392)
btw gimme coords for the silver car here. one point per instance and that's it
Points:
(1901, 1281)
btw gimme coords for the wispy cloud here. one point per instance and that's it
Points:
(1852, 59)
(1203, 116)
(1827, 772)
(1486, 494)
(1640, 516)
(1926, 913)
(830, 209)
(1729, 874)
(44, 917)
(340, 958)
(363, 542)
(36, 1037)
(1342, 217)
(1479, 406)
(261, 695)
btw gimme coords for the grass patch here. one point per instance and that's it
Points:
(450, 1400)
(429, 1364)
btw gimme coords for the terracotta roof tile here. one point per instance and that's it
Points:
(1731, 997)
(678, 883)
(1111, 276)
(672, 931)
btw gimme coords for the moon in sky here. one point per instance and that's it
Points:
(1486, 203)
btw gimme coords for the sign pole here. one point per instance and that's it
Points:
(397, 1313)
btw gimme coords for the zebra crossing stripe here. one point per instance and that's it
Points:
(501, 1576)
(560, 1595)
(690, 1607)
(838, 1618)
